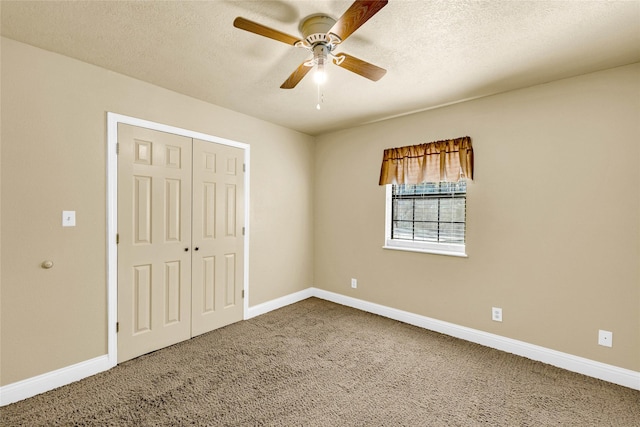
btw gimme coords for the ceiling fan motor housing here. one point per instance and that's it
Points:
(314, 29)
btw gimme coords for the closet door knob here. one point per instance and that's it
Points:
(186, 249)
(196, 248)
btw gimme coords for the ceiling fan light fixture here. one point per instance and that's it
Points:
(320, 52)
(320, 75)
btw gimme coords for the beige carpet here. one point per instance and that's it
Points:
(316, 363)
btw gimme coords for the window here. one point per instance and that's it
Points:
(427, 196)
(427, 217)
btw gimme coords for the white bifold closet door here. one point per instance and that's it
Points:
(180, 249)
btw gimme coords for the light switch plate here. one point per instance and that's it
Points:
(68, 218)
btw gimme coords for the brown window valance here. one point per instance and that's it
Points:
(448, 160)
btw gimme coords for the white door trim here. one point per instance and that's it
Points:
(112, 214)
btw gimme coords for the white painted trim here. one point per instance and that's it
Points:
(398, 246)
(112, 229)
(48, 381)
(581, 365)
(247, 227)
(112, 212)
(277, 303)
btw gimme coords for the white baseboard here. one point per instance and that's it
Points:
(277, 303)
(591, 368)
(613, 374)
(54, 379)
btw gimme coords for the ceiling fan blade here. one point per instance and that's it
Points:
(261, 30)
(296, 76)
(355, 16)
(363, 68)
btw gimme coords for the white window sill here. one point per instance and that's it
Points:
(423, 250)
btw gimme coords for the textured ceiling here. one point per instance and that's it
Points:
(435, 52)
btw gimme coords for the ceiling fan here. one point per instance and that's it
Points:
(321, 34)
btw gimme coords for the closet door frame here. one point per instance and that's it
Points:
(113, 119)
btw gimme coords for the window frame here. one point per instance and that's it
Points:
(449, 249)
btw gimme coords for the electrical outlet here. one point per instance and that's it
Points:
(605, 338)
(354, 283)
(496, 314)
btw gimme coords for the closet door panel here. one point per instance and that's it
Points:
(154, 249)
(218, 215)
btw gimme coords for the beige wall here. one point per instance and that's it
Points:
(558, 250)
(553, 232)
(54, 158)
